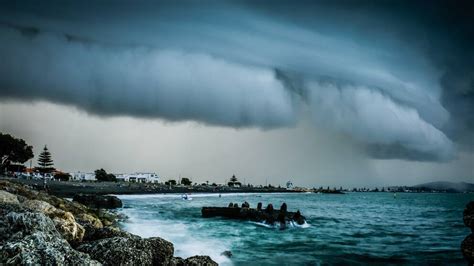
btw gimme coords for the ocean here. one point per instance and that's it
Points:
(349, 229)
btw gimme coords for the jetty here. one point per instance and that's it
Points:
(269, 215)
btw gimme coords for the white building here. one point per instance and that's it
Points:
(81, 176)
(139, 177)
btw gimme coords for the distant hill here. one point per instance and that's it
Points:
(447, 186)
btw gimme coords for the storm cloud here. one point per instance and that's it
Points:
(389, 81)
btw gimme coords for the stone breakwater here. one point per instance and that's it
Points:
(38, 228)
(467, 246)
(268, 215)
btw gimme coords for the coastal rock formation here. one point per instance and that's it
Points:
(468, 215)
(6, 197)
(64, 221)
(199, 261)
(194, 261)
(40, 229)
(31, 238)
(98, 201)
(268, 215)
(130, 250)
(93, 234)
(88, 220)
(467, 246)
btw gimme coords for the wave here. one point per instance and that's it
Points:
(290, 224)
(194, 195)
(186, 243)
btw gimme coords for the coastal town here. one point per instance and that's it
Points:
(16, 153)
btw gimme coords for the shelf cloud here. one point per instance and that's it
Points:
(404, 95)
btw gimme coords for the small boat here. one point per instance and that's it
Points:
(186, 197)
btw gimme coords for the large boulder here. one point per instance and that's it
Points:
(86, 219)
(98, 201)
(31, 238)
(68, 227)
(93, 234)
(467, 248)
(24, 193)
(64, 221)
(199, 261)
(6, 197)
(468, 215)
(130, 250)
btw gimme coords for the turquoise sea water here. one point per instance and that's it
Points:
(350, 229)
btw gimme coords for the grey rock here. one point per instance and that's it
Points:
(7, 197)
(467, 248)
(93, 234)
(31, 238)
(199, 261)
(227, 253)
(131, 250)
(468, 215)
(98, 201)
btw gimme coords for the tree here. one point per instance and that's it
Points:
(185, 181)
(45, 162)
(171, 182)
(233, 182)
(13, 150)
(62, 176)
(102, 175)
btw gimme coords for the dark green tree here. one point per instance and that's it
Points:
(102, 175)
(45, 162)
(171, 182)
(185, 181)
(233, 182)
(13, 150)
(62, 176)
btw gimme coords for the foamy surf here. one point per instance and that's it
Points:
(289, 225)
(186, 243)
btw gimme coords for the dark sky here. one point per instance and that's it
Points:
(394, 79)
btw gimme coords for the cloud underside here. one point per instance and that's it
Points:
(176, 85)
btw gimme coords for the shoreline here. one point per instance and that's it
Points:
(71, 188)
(40, 228)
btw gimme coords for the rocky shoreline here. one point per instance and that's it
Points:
(39, 228)
(467, 246)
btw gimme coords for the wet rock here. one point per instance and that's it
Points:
(468, 215)
(131, 250)
(93, 234)
(199, 261)
(227, 253)
(6, 197)
(32, 239)
(269, 215)
(98, 201)
(467, 248)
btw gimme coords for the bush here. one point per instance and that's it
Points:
(171, 182)
(62, 176)
(185, 181)
(101, 175)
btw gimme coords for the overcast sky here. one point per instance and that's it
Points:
(357, 93)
